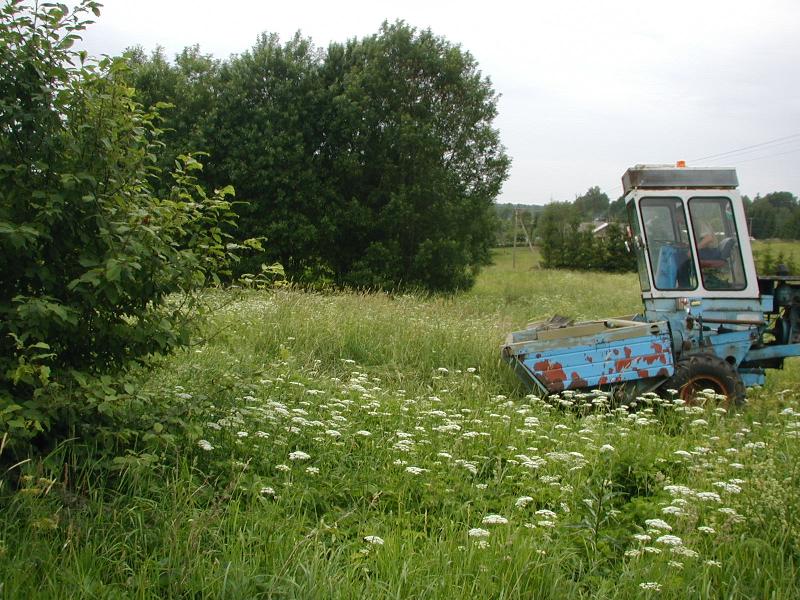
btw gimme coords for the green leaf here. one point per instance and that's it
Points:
(113, 269)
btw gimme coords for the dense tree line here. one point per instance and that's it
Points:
(566, 244)
(373, 163)
(775, 215)
(564, 231)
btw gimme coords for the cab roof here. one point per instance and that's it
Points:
(659, 177)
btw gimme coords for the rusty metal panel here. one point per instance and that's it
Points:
(611, 356)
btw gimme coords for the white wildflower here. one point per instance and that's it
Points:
(205, 445)
(523, 501)
(299, 455)
(650, 586)
(477, 532)
(706, 529)
(684, 551)
(669, 540)
(658, 524)
(415, 470)
(731, 488)
(373, 539)
(546, 523)
(494, 520)
(708, 497)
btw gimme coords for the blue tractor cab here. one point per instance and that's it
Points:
(709, 320)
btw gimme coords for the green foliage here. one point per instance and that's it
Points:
(768, 263)
(91, 259)
(593, 204)
(372, 165)
(526, 217)
(568, 245)
(775, 215)
(416, 159)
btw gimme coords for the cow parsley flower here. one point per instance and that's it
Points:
(205, 445)
(494, 520)
(373, 539)
(477, 532)
(658, 524)
(669, 540)
(523, 501)
(650, 586)
(415, 470)
(706, 529)
(299, 455)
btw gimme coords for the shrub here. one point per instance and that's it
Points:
(97, 272)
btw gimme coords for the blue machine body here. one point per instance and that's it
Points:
(709, 320)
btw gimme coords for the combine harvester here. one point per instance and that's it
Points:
(709, 320)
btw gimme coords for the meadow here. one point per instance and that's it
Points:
(353, 445)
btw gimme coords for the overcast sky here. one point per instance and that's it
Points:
(587, 88)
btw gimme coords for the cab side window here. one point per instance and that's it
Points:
(668, 248)
(717, 243)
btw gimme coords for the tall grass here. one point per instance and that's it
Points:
(350, 445)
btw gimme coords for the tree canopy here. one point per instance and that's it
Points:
(373, 164)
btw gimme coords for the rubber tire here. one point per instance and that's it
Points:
(701, 371)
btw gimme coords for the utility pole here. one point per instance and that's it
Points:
(514, 237)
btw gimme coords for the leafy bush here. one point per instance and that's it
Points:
(97, 272)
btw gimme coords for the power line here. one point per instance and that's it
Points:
(746, 148)
(768, 156)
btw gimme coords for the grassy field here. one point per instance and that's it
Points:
(374, 446)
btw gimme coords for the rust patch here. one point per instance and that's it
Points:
(603, 380)
(622, 364)
(643, 373)
(662, 372)
(628, 351)
(576, 381)
(553, 374)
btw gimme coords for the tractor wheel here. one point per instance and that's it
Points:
(705, 371)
